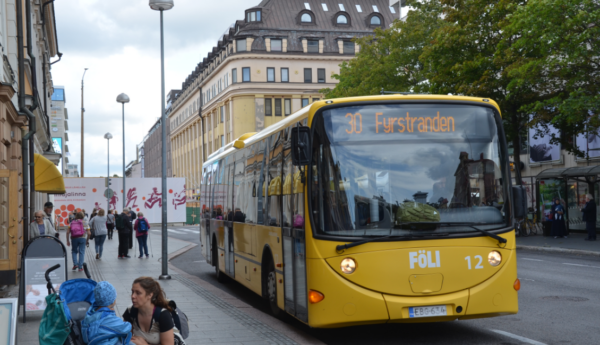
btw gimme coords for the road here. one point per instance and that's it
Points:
(559, 303)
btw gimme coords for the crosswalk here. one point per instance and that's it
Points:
(180, 231)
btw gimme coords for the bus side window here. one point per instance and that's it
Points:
(275, 180)
(298, 195)
(261, 189)
(287, 180)
(242, 190)
(230, 189)
(252, 184)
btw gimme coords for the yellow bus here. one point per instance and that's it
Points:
(378, 209)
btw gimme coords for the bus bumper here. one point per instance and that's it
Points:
(347, 304)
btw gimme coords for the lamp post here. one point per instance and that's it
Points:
(82, 111)
(123, 98)
(108, 136)
(163, 5)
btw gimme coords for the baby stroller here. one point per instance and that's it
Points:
(66, 308)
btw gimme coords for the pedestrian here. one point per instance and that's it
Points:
(80, 238)
(101, 325)
(98, 223)
(86, 220)
(48, 207)
(94, 214)
(124, 227)
(40, 226)
(150, 315)
(132, 217)
(589, 217)
(110, 224)
(142, 226)
(71, 216)
(559, 228)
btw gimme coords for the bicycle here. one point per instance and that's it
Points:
(521, 228)
(533, 225)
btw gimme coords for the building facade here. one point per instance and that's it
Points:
(152, 151)
(71, 170)
(27, 159)
(267, 66)
(59, 126)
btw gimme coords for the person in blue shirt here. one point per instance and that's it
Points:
(102, 326)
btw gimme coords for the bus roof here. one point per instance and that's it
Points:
(310, 110)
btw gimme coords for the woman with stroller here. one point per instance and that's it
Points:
(101, 325)
(150, 315)
(80, 238)
(98, 223)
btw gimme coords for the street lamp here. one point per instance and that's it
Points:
(108, 136)
(123, 98)
(82, 111)
(163, 5)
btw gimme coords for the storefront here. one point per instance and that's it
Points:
(570, 186)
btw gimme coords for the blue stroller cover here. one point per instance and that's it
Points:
(78, 295)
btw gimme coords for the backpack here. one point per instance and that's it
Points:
(142, 225)
(77, 228)
(179, 319)
(119, 221)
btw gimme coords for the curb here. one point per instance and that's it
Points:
(560, 250)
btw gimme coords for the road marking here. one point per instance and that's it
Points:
(581, 265)
(176, 232)
(188, 230)
(200, 261)
(518, 337)
(531, 259)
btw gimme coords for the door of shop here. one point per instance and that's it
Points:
(10, 234)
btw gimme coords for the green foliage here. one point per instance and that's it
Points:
(390, 58)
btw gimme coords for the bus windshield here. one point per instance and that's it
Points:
(407, 169)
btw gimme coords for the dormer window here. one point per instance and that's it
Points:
(253, 16)
(375, 21)
(358, 8)
(307, 6)
(375, 9)
(306, 18)
(325, 7)
(342, 19)
(342, 7)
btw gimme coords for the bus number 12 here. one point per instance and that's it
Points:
(468, 258)
(354, 120)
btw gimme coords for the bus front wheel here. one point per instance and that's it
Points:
(272, 291)
(221, 278)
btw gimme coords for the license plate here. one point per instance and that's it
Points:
(434, 310)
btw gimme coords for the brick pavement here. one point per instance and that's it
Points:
(214, 316)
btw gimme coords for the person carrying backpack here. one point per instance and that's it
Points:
(124, 227)
(80, 238)
(141, 228)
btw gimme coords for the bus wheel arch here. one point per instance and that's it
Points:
(221, 278)
(269, 282)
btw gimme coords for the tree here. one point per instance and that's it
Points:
(472, 56)
(561, 56)
(390, 58)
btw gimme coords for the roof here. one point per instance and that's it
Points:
(570, 172)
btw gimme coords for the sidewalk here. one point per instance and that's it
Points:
(574, 244)
(214, 316)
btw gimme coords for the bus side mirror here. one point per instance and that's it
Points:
(300, 146)
(519, 201)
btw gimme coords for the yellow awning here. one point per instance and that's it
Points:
(47, 177)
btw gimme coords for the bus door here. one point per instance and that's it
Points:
(294, 246)
(228, 217)
(205, 216)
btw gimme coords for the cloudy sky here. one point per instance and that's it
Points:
(119, 41)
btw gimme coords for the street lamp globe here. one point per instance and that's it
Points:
(161, 5)
(123, 98)
(108, 136)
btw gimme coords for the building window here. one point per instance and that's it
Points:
(342, 7)
(253, 16)
(393, 10)
(321, 75)
(270, 74)
(313, 46)
(241, 45)
(315, 99)
(325, 7)
(223, 114)
(375, 9)
(287, 106)
(276, 45)
(308, 75)
(234, 75)
(246, 74)
(285, 75)
(375, 21)
(222, 140)
(342, 19)
(268, 107)
(358, 8)
(306, 18)
(349, 47)
(277, 106)
(304, 102)
(307, 6)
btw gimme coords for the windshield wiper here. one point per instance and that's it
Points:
(472, 226)
(377, 239)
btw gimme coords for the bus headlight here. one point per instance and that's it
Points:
(494, 258)
(348, 265)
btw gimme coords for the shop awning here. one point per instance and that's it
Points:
(47, 177)
(570, 172)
